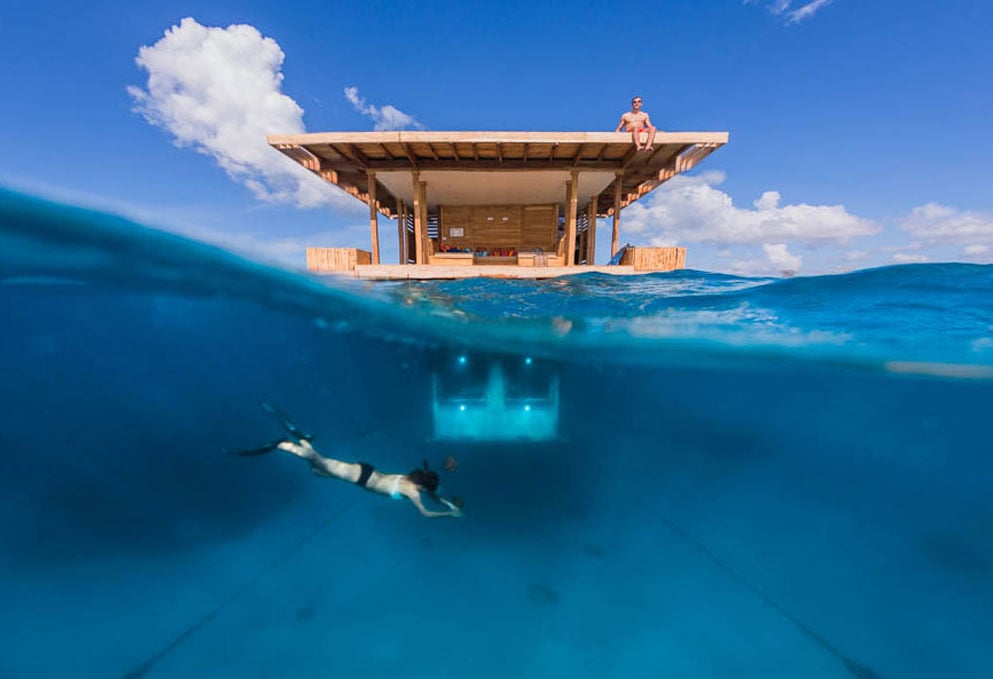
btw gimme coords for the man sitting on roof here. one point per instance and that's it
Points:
(637, 121)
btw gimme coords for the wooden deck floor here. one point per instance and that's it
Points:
(392, 272)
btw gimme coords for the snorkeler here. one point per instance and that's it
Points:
(365, 475)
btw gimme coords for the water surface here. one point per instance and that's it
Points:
(752, 477)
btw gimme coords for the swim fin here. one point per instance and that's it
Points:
(268, 448)
(288, 425)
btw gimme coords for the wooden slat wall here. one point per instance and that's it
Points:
(325, 260)
(525, 227)
(456, 217)
(539, 227)
(497, 226)
(655, 259)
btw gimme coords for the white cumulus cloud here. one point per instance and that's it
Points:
(692, 209)
(384, 118)
(219, 90)
(935, 223)
(780, 257)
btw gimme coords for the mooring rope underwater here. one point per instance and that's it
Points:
(142, 669)
(857, 669)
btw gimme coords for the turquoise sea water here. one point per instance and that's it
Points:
(751, 478)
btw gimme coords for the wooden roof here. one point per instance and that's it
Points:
(346, 158)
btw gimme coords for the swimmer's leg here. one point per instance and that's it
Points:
(284, 420)
(320, 465)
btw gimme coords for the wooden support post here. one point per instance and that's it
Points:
(615, 234)
(373, 217)
(566, 258)
(572, 198)
(402, 231)
(424, 223)
(418, 223)
(591, 231)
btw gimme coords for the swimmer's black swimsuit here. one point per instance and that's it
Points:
(367, 470)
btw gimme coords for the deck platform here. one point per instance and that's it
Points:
(399, 272)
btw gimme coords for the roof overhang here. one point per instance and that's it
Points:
(479, 168)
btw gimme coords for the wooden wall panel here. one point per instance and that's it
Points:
(655, 259)
(524, 227)
(497, 226)
(539, 227)
(327, 260)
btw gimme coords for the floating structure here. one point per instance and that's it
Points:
(506, 204)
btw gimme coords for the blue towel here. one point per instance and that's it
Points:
(616, 259)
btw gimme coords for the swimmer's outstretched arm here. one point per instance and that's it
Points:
(451, 506)
(455, 512)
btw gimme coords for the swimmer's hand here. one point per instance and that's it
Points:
(456, 507)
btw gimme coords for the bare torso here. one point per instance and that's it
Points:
(394, 485)
(634, 120)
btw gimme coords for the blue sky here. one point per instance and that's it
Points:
(859, 130)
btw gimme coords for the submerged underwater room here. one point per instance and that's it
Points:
(681, 474)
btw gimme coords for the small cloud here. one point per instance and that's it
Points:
(384, 118)
(855, 255)
(806, 11)
(909, 258)
(976, 250)
(786, 9)
(219, 90)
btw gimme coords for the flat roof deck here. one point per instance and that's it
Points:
(533, 166)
